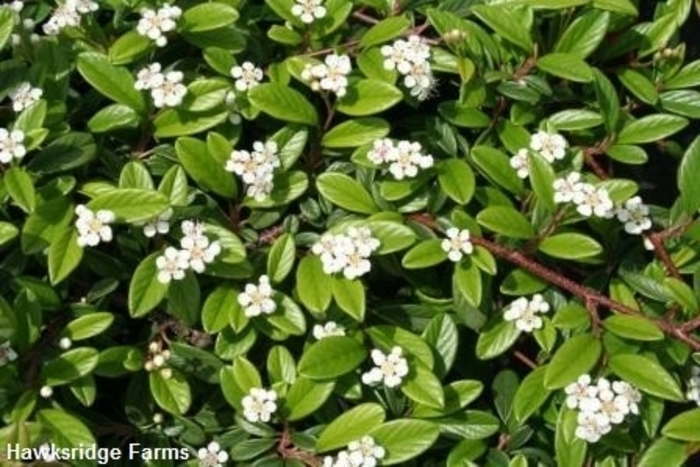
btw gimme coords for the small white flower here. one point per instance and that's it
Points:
(342, 460)
(16, 6)
(170, 92)
(212, 456)
(390, 368)
(382, 151)
(23, 96)
(520, 163)
(192, 229)
(259, 405)
(407, 159)
(11, 145)
(247, 76)
(590, 201)
(565, 189)
(149, 77)
(525, 312)
(257, 298)
(365, 452)
(65, 343)
(153, 24)
(634, 215)
(591, 426)
(402, 55)
(172, 265)
(348, 253)
(7, 353)
(256, 168)
(93, 227)
(457, 244)
(84, 6)
(551, 146)
(330, 75)
(420, 75)
(200, 252)
(309, 10)
(331, 328)
(46, 392)
(65, 15)
(629, 393)
(159, 224)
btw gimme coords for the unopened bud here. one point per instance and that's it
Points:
(158, 418)
(65, 343)
(166, 373)
(46, 392)
(158, 361)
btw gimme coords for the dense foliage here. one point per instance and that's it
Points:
(350, 233)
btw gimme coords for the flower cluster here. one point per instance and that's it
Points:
(247, 76)
(693, 392)
(364, 452)
(93, 227)
(166, 89)
(600, 405)
(23, 96)
(68, 14)
(7, 353)
(589, 200)
(411, 59)
(158, 225)
(259, 405)
(309, 10)
(256, 168)
(256, 299)
(551, 146)
(212, 456)
(525, 312)
(158, 359)
(347, 252)
(404, 158)
(390, 368)
(331, 328)
(11, 145)
(154, 24)
(330, 75)
(196, 252)
(457, 244)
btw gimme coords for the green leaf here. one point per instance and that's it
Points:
(496, 166)
(232, 248)
(131, 204)
(385, 30)
(567, 66)
(386, 337)
(7, 23)
(331, 357)
(405, 439)
(350, 426)
(681, 293)
(290, 319)
(648, 375)
(64, 255)
(349, 295)
(135, 174)
(199, 164)
(505, 24)
(496, 340)
(66, 152)
(425, 254)
(666, 452)
(570, 450)
(221, 303)
(651, 128)
(506, 221)
(69, 366)
(87, 326)
(280, 259)
(369, 97)
(31, 118)
(467, 281)
(345, 192)
(208, 16)
(174, 186)
(684, 426)
(576, 356)
(172, 123)
(463, 116)
(626, 7)
(633, 327)
(281, 366)
(572, 120)
(687, 77)
(441, 333)
(145, 290)
(530, 395)
(570, 246)
(19, 186)
(542, 180)
(356, 132)
(305, 397)
(313, 286)
(456, 179)
(639, 85)
(7, 232)
(288, 186)
(112, 81)
(422, 386)
(67, 431)
(458, 394)
(172, 394)
(284, 35)
(129, 47)
(609, 103)
(627, 154)
(683, 102)
(687, 177)
(283, 103)
(585, 34)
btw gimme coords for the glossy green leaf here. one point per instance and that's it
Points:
(576, 356)
(350, 426)
(331, 357)
(647, 375)
(283, 103)
(345, 192)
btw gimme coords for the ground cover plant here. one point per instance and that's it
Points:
(350, 233)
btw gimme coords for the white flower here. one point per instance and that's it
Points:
(590, 201)
(257, 299)
(342, 460)
(520, 164)
(256, 168)
(365, 452)
(566, 188)
(329, 76)
(159, 224)
(93, 227)
(630, 395)
(192, 229)
(420, 75)
(149, 77)
(634, 215)
(551, 146)
(331, 328)
(525, 312)
(247, 76)
(172, 265)
(66, 15)
(84, 6)
(16, 6)
(390, 368)
(200, 252)
(259, 405)
(348, 253)
(65, 343)
(309, 10)
(578, 391)
(170, 92)
(23, 96)
(407, 159)
(382, 151)
(212, 456)
(457, 244)
(7, 353)
(154, 24)
(11, 145)
(591, 426)
(261, 188)
(401, 55)
(46, 392)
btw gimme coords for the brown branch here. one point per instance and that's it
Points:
(365, 18)
(525, 359)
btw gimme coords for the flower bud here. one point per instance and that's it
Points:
(65, 343)
(46, 392)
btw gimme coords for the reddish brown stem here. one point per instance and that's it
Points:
(525, 359)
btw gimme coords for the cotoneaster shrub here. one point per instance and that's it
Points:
(350, 233)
